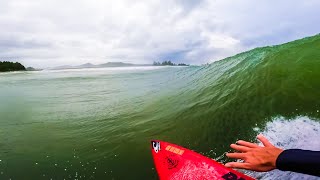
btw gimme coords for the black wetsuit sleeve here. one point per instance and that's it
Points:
(301, 161)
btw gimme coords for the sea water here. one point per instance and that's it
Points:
(98, 123)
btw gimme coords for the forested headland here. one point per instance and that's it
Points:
(11, 66)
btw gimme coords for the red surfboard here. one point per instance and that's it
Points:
(174, 162)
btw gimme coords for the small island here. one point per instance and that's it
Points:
(6, 66)
(168, 63)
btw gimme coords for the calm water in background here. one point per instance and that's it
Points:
(89, 123)
(98, 123)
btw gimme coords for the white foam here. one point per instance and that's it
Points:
(300, 133)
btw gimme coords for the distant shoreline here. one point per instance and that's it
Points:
(128, 68)
(112, 64)
(7, 66)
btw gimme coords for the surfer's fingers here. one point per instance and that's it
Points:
(239, 165)
(236, 155)
(264, 140)
(240, 148)
(247, 144)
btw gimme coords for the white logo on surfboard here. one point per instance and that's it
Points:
(156, 146)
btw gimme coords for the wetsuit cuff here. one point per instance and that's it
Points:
(281, 160)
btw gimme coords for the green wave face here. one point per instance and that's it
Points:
(230, 97)
(226, 100)
(97, 124)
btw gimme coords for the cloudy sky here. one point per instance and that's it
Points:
(46, 33)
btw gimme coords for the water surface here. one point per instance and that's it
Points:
(97, 123)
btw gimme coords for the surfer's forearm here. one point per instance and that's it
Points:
(297, 160)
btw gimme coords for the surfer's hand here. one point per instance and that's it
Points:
(255, 158)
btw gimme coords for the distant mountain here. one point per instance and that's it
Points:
(108, 64)
(62, 67)
(117, 64)
(87, 65)
(33, 69)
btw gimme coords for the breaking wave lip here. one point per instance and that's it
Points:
(301, 132)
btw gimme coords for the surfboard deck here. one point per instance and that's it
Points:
(174, 162)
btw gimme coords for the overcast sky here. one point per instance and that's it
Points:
(45, 33)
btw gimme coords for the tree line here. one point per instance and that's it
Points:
(11, 66)
(168, 63)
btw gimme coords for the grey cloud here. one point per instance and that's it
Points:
(14, 43)
(49, 33)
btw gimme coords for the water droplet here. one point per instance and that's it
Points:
(95, 167)
(65, 169)
(36, 163)
(56, 164)
(317, 110)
